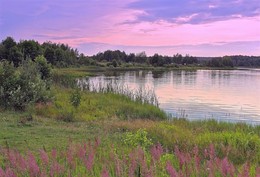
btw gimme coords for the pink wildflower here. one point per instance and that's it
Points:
(70, 158)
(44, 157)
(12, 158)
(210, 168)
(180, 156)
(43, 174)
(9, 173)
(21, 163)
(258, 172)
(104, 173)
(142, 162)
(56, 169)
(196, 158)
(133, 163)
(2, 173)
(225, 167)
(156, 151)
(54, 154)
(33, 166)
(90, 160)
(172, 172)
(81, 152)
(245, 171)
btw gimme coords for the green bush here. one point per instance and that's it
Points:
(75, 99)
(44, 67)
(138, 139)
(21, 86)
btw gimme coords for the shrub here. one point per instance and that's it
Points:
(43, 67)
(75, 99)
(21, 86)
(138, 139)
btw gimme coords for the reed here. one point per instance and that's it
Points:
(141, 95)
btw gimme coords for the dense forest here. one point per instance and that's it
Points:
(62, 55)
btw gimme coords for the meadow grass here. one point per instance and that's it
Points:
(127, 130)
(92, 159)
(96, 106)
(236, 144)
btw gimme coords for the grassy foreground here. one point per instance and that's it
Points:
(110, 135)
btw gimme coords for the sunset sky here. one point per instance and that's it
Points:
(196, 27)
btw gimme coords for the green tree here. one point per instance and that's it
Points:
(49, 54)
(21, 86)
(43, 67)
(60, 55)
(30, 49)
(8, 43)
(227, 61)
(130, 57)
(15, 56)
(177, 58)
(157, 60)
(140, 57)
(6, 46)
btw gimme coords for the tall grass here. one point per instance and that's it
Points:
(241, 141)
(142, 95)
(97, 106)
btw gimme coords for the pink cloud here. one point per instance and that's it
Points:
(113, 22)
(162, 33)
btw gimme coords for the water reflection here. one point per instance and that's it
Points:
(230, 95)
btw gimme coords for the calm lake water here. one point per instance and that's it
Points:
(225, 95)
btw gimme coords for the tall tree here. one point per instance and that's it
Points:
(30, 49)
(6, 45)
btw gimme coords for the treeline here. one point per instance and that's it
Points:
(246, 61)
(225, 61)
(61, 55)
(230, 61)
(141, 58)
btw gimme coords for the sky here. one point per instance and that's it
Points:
(167, 27)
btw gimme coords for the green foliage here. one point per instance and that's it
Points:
(75, 98)
(221, 62)
(30, 48)
(10, 51)
(15, 56)
(241, 145)
(43, 67)
(114, 63)
(98, 106)
(21, 87)
(49, 54)
(138, 139)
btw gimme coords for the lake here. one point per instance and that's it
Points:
(224, 95)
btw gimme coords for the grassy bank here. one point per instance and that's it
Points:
(122, 137)
(117, 114)
(97, 106)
